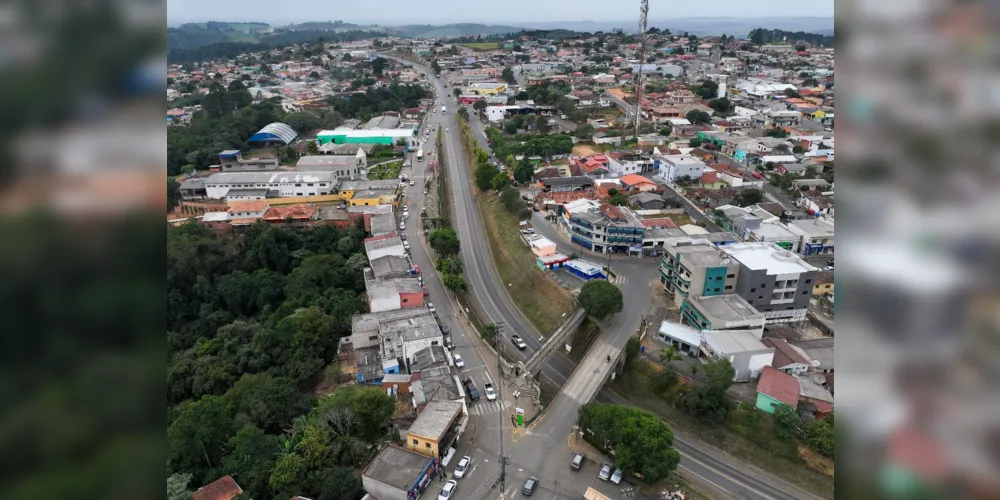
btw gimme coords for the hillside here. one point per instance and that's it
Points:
(450, 30)
(194, 35)
(324, 26)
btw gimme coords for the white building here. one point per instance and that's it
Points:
(816, 236)
(380, 246)
(287, 184)
(744, 350)
(673, 167)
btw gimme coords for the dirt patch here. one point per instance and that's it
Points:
(816, 461)
(583, 150)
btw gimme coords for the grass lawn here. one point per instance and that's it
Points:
(749, 435)
(387, 171)
(482, 45)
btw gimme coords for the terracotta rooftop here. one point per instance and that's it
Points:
(224, 488)
(247, 206)
(784, 353)
(298, 211)
(779, 385)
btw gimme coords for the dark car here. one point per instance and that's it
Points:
(529, 486)
(470, 387)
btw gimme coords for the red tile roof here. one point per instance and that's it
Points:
(298, 211)
(709, 177)
(224, 488)
(247, 206)
(612, 212)
(632, 180)
(779, 386)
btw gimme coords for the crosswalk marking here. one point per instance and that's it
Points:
(484, 407)
(619, 279)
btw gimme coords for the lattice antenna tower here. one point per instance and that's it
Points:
(643, 14)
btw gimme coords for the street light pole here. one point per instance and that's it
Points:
(503, 459)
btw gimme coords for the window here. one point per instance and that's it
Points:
(298, 185)
(753, 290)
(763, 285)
(716, 289)
(718, 278)
(767, 309)
(416, 442)
(298, 194)
(809, 281)
(730, 287)
(805, 292)
(760, 297)
(427, 445)
(310, 184)
(730, 276)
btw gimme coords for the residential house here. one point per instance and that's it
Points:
(224, 488)
(788, 358)
(711, 181)
(637, 183)
(823, 284)
(436, 428)
(647, 201)
(776, 388)
(398, 474)
(816, 203)
(679, 167)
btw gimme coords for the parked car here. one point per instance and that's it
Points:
(424, 288)
(529, 486)
(491, 395)
(459, 362)
(451, 347)
(617, 476)
(430, 307)
(445, 330)
(470, 387)
(517, 341)
(461, 467)
(406, 246)
(577, 461)
(402, 225)
(416, 268)
(605, 472)
(412, 183)
(529, 230)
(448, 492)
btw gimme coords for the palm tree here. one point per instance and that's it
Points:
(670, 354)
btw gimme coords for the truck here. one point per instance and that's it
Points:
(443, 109)
(420, 154)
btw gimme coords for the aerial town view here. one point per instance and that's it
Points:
(413, 254)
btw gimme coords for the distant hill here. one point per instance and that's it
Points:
(700, 26)
(450, 30)
(324, 26)
(194, 35)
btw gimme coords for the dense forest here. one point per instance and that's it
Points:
(185, 50)
(373, 102)
(761, 36)
(251, 321)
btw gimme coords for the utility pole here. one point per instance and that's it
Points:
(503, 459)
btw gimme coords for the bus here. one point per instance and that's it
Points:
(420, 154)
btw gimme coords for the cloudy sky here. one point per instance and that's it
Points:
(398, 12)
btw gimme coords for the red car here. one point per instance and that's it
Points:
(416, 269)
(756, 175)
(426, 291)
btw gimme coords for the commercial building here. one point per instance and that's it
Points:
(398, 474)
(584, 270)
(541, 246)
(386, 244)
(343, 166)
(722, 312)
(602, 227)
(816, 236)
(383, 136)
(274, 133)
(743, 349)
(773, 232)
(695, 267)
(283, 184)
(436, 428)
(687, 340)
(396, 335)
(486, 88)
(778, 283)
(393, 293)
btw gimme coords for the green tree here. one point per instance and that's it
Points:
(670, 354)
(510, 126)
(456, 91)
(312, 147)
(479, 105)
(337, 483)
(748, 196)
(500, 181)
(453, 282)
(370, 409)
(196, 438)
(484, 175)
(600, 298)
(708, 406)
(450, 265)
(173, 194)
(720, 374)
(632, 348)
(820, 435)
(786, 421)
(666, 130)
(482, 156)
(435, 67)
(698, 116)
(268, 402)
(694, 142)
(642, 443)
(379, 64)
(177, 487)
(288, 478)
(777, 132)
(618, 199)
(721, 105)
(524, 172)
(508, 76)
(542, 125)
(585, 132)
(445, 242)
(511, 199)
(250, 459)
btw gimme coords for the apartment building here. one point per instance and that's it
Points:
(673, 167)
(285, 184)
(720, 313)
(696, 268)
(777, 282)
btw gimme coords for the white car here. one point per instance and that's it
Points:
(447, 130)
(491, 395)
(462, 467)
(402, 226)
(459, 362)
(412, 183)
(617, 476)
(448, 491)
(430, 307)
